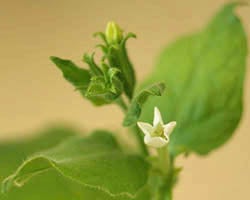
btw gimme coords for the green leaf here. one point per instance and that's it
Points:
(89, 59)
(94, 162)
(12, 153)
(135, 108)
(50, 185)
(78, 77)
(100, 92)
(100, 86)
(204, 73)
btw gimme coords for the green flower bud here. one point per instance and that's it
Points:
(114, 34)
(100, 92)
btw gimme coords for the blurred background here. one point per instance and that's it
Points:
(33, 92)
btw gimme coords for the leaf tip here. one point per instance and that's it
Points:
(229, 7)
(53, 58)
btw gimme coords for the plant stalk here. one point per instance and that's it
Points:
(140, 141)
(166, 166)
(121, 103)
(139, 137)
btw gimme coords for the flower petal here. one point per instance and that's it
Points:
(168, 128)
(157, 117)
(156, 142)
(145, 127)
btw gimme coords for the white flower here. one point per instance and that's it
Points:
(157, 135)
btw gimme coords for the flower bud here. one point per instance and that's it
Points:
(113, 33)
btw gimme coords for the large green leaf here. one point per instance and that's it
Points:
(12, 153)
(204, 75)
(94, 162)
(52, 186)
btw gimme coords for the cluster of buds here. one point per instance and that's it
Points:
(115, 53)
(104, 82)
(104, 86)
(116, 74)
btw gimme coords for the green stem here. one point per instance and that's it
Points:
(120, 102)
(164, 161)
(140, 141)
(139, 137)
(168, 194)
(164, 190)
(166, 166)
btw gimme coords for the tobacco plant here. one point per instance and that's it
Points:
(191, 102)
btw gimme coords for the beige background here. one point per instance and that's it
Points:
(33, 93)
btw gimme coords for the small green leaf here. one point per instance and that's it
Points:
(205, 73)
(78, 77)
(101, 92)
(99, 86)
(89, 59)
(94, 162)
(135, 108)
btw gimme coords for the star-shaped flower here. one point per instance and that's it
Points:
(156, 136)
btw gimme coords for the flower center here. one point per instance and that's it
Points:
(158, 131)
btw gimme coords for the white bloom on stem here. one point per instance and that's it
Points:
(156, 136)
